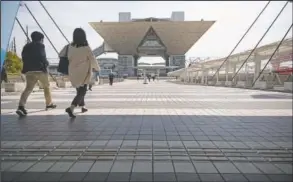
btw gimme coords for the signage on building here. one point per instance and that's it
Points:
(177, 60)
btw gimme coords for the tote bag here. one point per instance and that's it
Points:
(64, 63)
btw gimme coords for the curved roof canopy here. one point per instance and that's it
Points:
(177, 36)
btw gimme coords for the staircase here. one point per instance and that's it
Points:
(102, 49)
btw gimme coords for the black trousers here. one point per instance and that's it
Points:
(111, 81)
(79, 98)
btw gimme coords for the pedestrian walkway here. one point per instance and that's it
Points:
(160, 131)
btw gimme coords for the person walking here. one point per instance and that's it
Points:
(4, 75)
(111, 78)
(81, 63)
(93, 80)
(35, 65)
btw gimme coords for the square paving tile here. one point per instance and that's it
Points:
(9, 176)
(81, 166)
(257, 177)
(95, 177)
(204, 167)
(247, 168)
(163, 167)
(187, 177)
(73, 176)
(29, 177)
(226, 167)
(159, 177)
(21, 166)
(101, 166)
(50, 177)
(211, 177)
(121, 177)
(61, 167)
(41, 167)
(281, 178)
(142, 167)
(234, 178)
(181, 167)
(286, 168)
(268, 168)
(121, 167)
(145, 177)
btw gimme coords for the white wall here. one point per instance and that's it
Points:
(124, 16)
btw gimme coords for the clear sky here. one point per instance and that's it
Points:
(232, 19)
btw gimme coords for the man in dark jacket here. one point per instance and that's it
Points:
(3, 75)
(35, 65)
(111, 78)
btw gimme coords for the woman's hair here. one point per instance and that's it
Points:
(79, 38)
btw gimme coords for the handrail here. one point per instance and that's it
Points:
(280, 43)
(252, 51)
(54, 21)
(46, 37)
(264, 8)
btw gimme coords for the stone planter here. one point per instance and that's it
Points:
(241, 84)
(228, 83)
(288, 86)
(211, 82)
(64, 84)
(263, 85)
(220, 83)
(14, 87)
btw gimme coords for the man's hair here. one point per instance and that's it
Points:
(37, 36)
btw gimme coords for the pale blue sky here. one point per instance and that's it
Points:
(232, 19)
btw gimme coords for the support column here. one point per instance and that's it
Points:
(234, 70)
(135, 63)
(206, 76)
(203, 78)
(126, 65)
(202, 74)
(144, 77)
(257, 66)
(158, 74)
(167, 63)
(217, 77)
(227, 67)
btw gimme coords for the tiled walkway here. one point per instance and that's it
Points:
(155, 132)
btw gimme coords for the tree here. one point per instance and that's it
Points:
(13, 63)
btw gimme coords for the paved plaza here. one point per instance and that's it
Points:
(160, 131)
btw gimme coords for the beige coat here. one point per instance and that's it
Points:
(81, 63)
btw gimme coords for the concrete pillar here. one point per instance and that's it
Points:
(126, 63)
(158, 73)
(257, 66)
(144, 77)
(206, 76)
(167, 63)
(135, 63)
(234, 70)
(217, 76)
(227, 67)
(202, 76)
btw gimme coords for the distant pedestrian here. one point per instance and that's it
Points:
(111, 78)
(4, 75)
(93, 79)
(149, 77)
